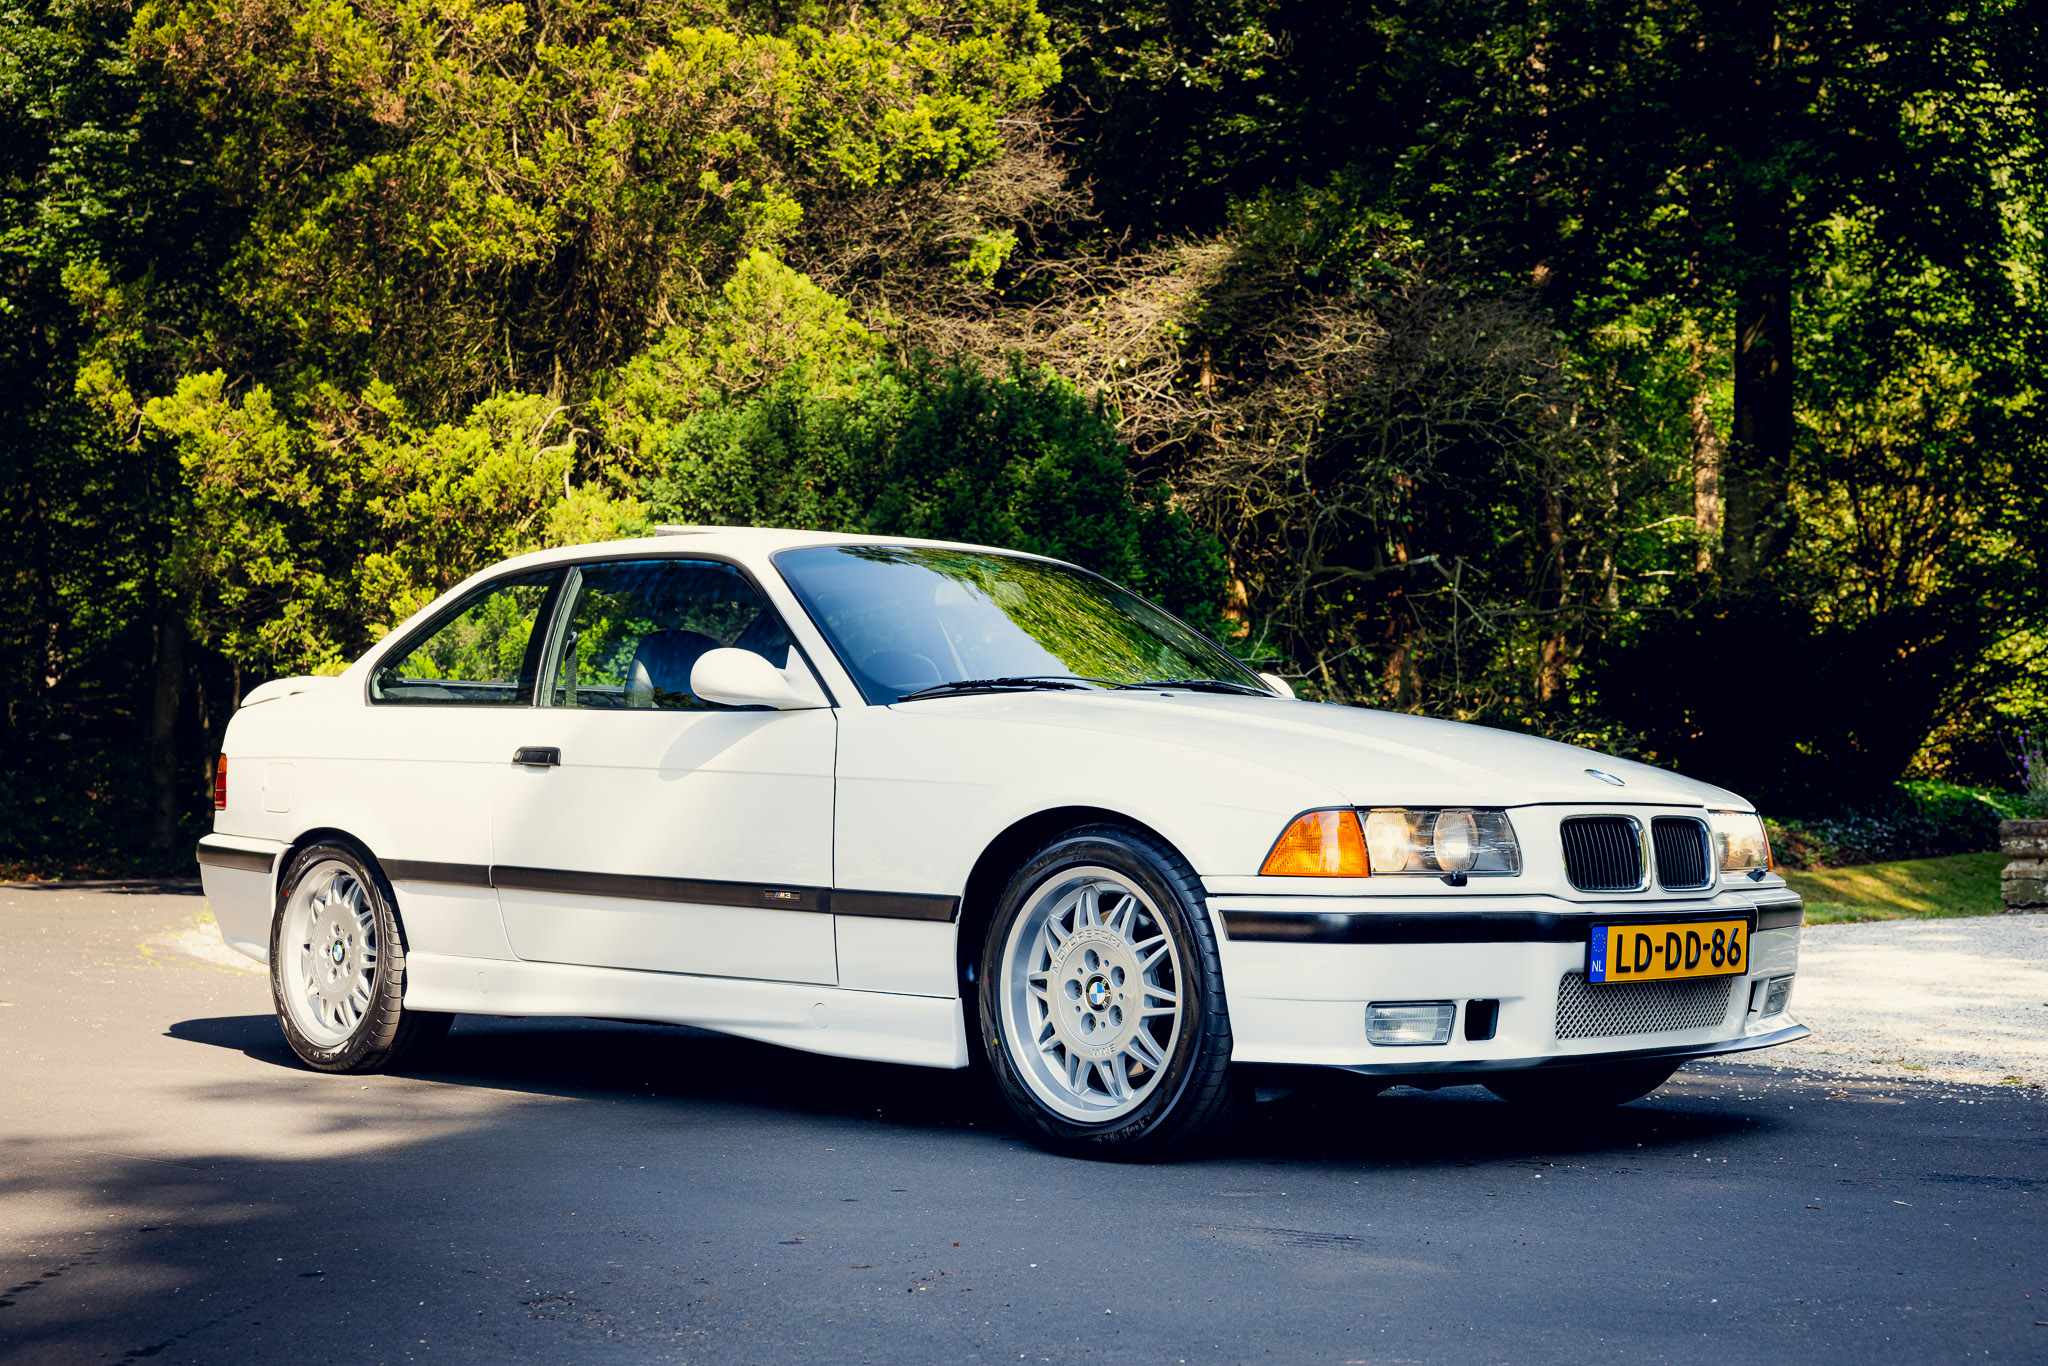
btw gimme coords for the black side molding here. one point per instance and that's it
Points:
(896, 905)
(1397, 927)
(694, 891)
(212, 855)
(1441, 927)
(448, 874)
(1781, 915)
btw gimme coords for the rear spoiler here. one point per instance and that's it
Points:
(284, 687)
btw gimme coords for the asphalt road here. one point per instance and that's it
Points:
(173, 1188)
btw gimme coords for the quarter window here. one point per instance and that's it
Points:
(484, 651)
(636, 628)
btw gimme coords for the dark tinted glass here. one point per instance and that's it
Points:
(481, 652)
(906, 617)
(636, 629)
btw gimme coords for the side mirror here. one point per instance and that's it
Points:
(1278, 684)
(741, 678)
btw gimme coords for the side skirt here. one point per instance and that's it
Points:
(923, 1031)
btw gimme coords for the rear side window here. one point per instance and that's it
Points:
(482, 652)
(636, 628)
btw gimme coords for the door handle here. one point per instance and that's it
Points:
(538, 756)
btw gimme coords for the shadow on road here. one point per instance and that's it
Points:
(1342, 1120)
(146, 886)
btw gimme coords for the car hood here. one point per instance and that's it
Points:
(1371, 757)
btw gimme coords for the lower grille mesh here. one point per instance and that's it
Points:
(1585, 1011)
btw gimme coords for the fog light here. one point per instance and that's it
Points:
(1408, 1023)
(1777, 996)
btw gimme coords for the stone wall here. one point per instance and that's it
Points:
(2025, 880)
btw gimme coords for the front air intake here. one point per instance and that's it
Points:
(1681, 845)
(1603, 853)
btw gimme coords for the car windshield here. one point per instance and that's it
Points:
(904, 619)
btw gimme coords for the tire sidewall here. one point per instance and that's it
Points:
(1187, 924)
(372, 1038)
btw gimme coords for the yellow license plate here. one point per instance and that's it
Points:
(1653, 953)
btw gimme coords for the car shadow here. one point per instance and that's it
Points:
(1341, 1119)
(140, 886)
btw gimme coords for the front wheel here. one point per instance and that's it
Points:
(1595, 1086)
(1102, 1009)
(337, 966)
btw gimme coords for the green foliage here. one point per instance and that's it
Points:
(311, 530)
(1913, 820)
(945, 452)
(460, 196)
(767, 322)
(1668, 377)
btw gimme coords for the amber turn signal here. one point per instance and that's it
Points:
(1320, 844)
(220, 783)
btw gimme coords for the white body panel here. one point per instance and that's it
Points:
(924, 1031)
(741, 797)
(903, 801)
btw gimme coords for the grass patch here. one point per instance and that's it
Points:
(1914, 889)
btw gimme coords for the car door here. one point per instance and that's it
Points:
(648, 828)
(427, 750)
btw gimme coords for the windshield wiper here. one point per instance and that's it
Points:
(1053, 682)
(1200, 685)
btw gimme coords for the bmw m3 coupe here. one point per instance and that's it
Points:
(945, 805)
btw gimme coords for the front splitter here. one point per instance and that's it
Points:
(1478, 1069)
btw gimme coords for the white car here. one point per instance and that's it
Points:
(926, 803)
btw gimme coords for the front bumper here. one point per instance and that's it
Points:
(1478, 1069)
(1299, 974)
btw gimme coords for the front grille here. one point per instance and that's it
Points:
(1681, 845)
(1602, 853)
(1585, 1011)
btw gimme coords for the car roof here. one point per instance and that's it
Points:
(746, 543)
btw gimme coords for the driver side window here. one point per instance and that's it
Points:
(635, 629)
(484, 651)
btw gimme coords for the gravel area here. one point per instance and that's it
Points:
(1962, 1000)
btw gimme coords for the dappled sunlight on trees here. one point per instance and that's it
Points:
(1667, 378)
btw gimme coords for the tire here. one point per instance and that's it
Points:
(1596, 1086)
(1102, 1011)
(337, 965)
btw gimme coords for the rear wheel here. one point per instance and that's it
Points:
(1592, 1087)
(1102, 1009)
(337, 966)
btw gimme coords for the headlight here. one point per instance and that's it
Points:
(1396, 841)
(1430, 841)
(1319, 844)
(1740, 839)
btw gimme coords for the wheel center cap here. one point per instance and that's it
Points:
(340, 952)
(1097, 992)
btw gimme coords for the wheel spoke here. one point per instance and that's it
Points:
(1120, 1076)
(1151, 951)
(1146, 1049)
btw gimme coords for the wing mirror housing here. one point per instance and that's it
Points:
(1278, 684)
(741, 678)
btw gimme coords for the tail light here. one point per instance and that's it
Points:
(220, 783)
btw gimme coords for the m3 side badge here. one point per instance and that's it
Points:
(1607, 778)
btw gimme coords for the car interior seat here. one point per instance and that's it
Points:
(660, 675)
